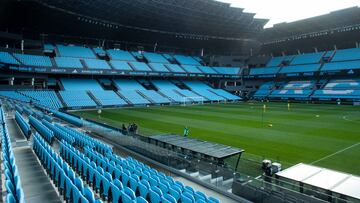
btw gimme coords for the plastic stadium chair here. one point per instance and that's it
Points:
(175, 191)
(134, 180)
(144, 187)
(213, 200)
(200, 196)
(128, 196)
(89, 195)
(168, 199)
(187, 198)
(141, 200)
(10, 198)
(155, 194)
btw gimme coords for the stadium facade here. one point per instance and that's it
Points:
(63, 55)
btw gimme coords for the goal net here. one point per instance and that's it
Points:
(192, 100)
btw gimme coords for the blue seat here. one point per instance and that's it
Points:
(125, 177)
(141, 200)
(134, 180)
(189, 190)
(175, 191)
(168, 199)
(89, 195)
(115, 194)
(187, 198)
(200, 196)
(144, 187)
(10, 187)
(128, 196)
(155, 194)
(10, 198)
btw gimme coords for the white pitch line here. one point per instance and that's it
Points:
(335, 153)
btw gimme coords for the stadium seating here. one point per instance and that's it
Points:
(75, 51)
(121, 65)
(158, 67)
(108, 98)
(14, 95)
(227, 70)
(8, 59)
(139, 66)
(294, 89)
(300, 68)
(339, 89)
(207, 70)
(339, 66)
(225, 94)
(24, 126)
(264, 71)
(97, 64)
(191, 69)
(45, 98)
(346, 55)
(14, 191)
(203, 90)
(71, 119)
(155, 58)
(169, 89)
(80, 84)
(125, 84)
(134, 97)
(275, 61)
(65, 62)
(34, 60)
(154, 96)
(77, 98)
(99, 51)
(175, 68)
(264, 90)
(186, 60)
(307, 58)
(120, 55)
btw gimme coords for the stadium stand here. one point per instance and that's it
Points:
(227, 70)
(153, 96)
(121, 65)
(14, 191)
(108, 98)
(120, 55)
(96, 64)
(125, 84)
(45, 98)
(300, 68)
(295, 90)
(34, 60)
(158, 67)
(339, 89)
(264, 90)
(307, 58)
(264, 71)
(65, 62)
(346, 55)
(5, 57)
(340, 66)
(186, 60)
(203, 90)
(175, 68)
(139, 66)
(75, 51)
(191, 69)
(155, 58)
(208, 70)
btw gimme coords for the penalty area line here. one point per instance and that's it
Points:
(335, 153)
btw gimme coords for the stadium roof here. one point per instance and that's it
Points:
(197, 17)
(218, 151)
(334, 20)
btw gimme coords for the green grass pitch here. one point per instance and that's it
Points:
(322, 135)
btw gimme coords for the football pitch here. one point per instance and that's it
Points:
(322, 135)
